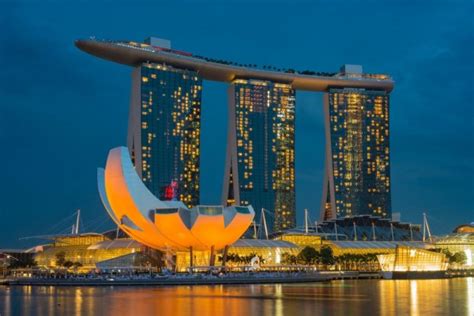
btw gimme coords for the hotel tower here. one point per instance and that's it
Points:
(260, 164)
(357, 175)
(164, 130)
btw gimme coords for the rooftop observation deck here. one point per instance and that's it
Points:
(134, 54)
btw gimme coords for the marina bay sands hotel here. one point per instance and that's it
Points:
(165, 122)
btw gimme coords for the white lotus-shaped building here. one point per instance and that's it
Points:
(165, 225)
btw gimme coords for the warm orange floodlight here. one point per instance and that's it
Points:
(166, 225)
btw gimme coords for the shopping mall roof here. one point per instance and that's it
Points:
(263, 243)
(241, 243)
(378, 244)
(116, 243)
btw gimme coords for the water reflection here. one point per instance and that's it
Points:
(470, 296)
(279, 301)
(357, 297)
(414, 298)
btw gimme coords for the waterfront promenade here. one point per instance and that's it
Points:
(197, 279)
(232, 278)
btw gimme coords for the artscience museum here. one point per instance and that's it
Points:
(165, 225)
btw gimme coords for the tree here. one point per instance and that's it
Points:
(459, 257)
(68, 264)
(60, 258)
(232, 257)
(353, 261)
(248, 259)
(449, 255)
(327, 256)
(27, 262)
(308, 255)
(288, 258)
(77, 265)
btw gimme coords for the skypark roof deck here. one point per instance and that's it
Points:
(134, 54)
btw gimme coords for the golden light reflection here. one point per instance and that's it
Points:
(470, 295)
(6, 299)
(413, 298)
(78, 300)
(279, 301)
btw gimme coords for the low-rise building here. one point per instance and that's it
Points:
(461, 240)
(84, 251)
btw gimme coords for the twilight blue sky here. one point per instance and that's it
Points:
(61, 110)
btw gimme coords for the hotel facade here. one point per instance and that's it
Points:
(357, 173)
(260, 164)
(164, 130)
